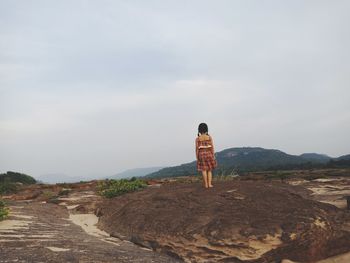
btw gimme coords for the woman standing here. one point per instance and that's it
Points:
(206, 161)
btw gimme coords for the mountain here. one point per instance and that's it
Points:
(245, 159)
(340, 162)
(316, 157)
(255, 158)
(136, 172)
(343, 157)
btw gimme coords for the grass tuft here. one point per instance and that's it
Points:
(111, 188)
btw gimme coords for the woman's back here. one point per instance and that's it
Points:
(204, 137)
(204, 140)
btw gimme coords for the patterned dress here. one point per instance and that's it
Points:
(206, 160)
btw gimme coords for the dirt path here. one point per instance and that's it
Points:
(45, 232)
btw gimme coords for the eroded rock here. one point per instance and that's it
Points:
(236, 221)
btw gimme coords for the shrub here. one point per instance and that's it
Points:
(111, 188)
(3, 210)
(7, 187)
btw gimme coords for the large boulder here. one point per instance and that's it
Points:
(236, 221)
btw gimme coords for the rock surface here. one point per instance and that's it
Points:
(327, 190)
(236, 221)
(37, 231)
(296, 218)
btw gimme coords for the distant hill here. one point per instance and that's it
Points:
(136, 172)
(343, 157)
(340, 162)
(316, 157)
(239, 159)
(9, 181)
(248, 159)
(255, 158)
(14, 177)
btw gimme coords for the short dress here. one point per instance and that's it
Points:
(206, 160)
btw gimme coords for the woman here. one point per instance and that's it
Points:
(206, 161)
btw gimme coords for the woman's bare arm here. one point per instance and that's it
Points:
(197, 148)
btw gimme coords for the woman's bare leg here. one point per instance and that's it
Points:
(210, 177)
(205, 179)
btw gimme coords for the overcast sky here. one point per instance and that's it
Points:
(97, 87)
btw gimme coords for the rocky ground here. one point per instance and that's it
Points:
(249, 219)
(38, 231)
(236, 221)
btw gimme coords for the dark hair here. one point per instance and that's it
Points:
(202, 128)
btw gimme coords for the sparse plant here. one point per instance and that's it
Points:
(48, 194)
(64, 185)
(3, 210)
(111, 188)
(64, 191)
(225, 175)
(279, 175)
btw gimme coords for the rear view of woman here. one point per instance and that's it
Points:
(206, 161)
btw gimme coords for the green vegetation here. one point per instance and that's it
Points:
(10, 181)
(340, 163)
(253, 159)
(7, 188)
(52, 197)
(16, 178)
(47, 194)
(111, 188)
(3, 210)
(239, 160)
